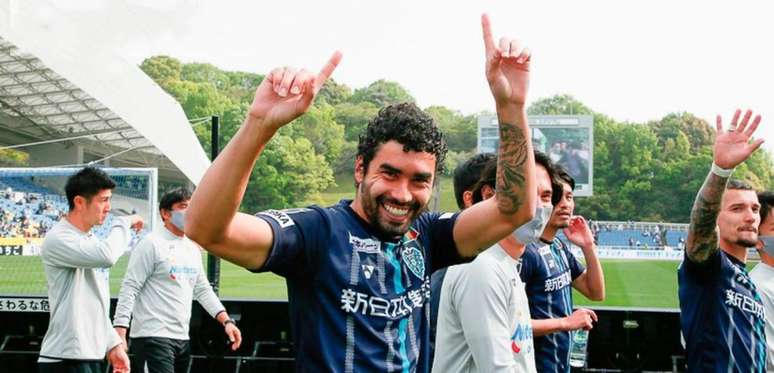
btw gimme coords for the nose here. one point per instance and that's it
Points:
(400, 192)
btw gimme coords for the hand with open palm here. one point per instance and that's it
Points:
(507, 67)
(733, 146)
(286, 93)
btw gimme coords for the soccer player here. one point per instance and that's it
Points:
(763, 273)
(550, 270)
(721, 314)
(77, 264)
(358, 273)
(484, 323)
(163, 277)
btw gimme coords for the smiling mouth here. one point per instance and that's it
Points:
(396, 211)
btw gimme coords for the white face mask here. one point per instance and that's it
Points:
(768, 244)
(178, 219)
(531, 232)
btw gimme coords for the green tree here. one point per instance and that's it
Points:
(13, 158)
(459, 130)
(382, 93)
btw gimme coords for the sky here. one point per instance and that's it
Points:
(632, 60)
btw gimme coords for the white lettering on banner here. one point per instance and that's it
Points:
(353, 301)
(745, 303)
(24, 305)
(280, 217)
(558, 283)
(632, 254)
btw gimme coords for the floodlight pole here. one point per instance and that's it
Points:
(213, 262)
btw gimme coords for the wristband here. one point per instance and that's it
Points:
(722, 172)
(229, 321)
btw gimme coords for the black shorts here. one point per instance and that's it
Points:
(73, 366)
(160, 355)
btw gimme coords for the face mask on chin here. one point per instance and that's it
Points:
(532, 230)
(178, 219)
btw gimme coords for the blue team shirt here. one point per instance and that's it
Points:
(548, 271)
(358, 302)
(721, 316)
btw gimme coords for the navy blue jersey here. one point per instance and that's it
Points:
(548, 272)
(721, 316)
(358, 302)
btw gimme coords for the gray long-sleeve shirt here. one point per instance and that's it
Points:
(77, 265)
(163, 277)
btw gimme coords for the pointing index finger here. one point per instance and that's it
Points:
(489, 44)
(327, 70)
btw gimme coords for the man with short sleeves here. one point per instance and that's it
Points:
(550, 271)
(162, 278)
(358, 272)
(721, 314)
(77, 264)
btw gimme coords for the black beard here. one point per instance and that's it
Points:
(371, 210)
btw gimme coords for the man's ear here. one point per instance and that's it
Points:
(79, 202)
(487, 192)
(165, 214)
(360, 170)
(467, 199)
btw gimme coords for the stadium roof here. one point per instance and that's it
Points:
(51, 92)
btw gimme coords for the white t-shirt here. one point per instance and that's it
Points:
(484, 323)
(763, 277)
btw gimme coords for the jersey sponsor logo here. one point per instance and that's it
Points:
(364, 245)
(522, 334)
(368, 270)
(745, 304)
(281, 217)
(558, 283)
(353, 301)
(187, 273)
(414, 260)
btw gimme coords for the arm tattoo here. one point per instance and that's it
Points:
(511, 161)
(702, 238)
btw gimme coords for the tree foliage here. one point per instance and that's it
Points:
(642, 171)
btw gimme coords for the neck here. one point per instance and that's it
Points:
(512, 247)
(549, 232)
(79, 222)
(173, 229)
(737, 251)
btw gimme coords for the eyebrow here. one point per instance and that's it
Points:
(418, 175)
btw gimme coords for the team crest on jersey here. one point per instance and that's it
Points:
(414, 260)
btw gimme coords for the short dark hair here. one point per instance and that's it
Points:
(734, 184)
(87, 183)
(489, 175)
(174, 196)
(466, 175)
(565, 176)
(766, 200)
(408, 125)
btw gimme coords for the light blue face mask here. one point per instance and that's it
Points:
(768, 244)
(531, 232)
(178, 219)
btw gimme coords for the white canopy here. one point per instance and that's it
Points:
(62, 90)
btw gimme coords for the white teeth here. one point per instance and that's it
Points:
(395, 211)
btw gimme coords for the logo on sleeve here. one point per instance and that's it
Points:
(280, 217)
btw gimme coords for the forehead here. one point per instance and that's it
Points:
(738, 196)
(104, 193)
(542, 178)
(391, 153)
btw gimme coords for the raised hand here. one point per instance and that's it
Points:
(286, 93)
(733, 146)
(579, 233)
(507, 67)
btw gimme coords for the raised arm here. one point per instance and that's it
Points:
(591, 283)
(507, 72)
(732, 147)
(212, 219)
